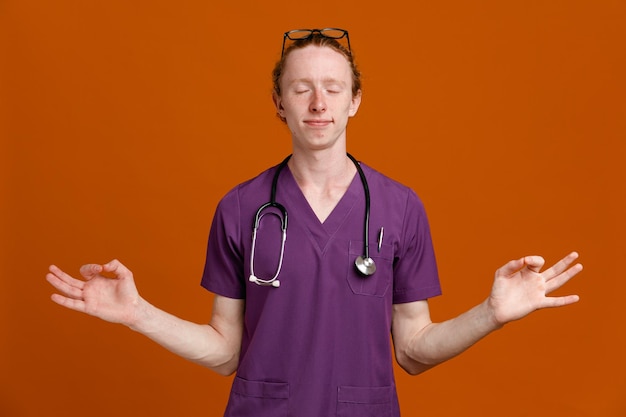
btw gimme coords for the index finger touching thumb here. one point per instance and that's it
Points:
(90, 270)
(117, 268)
(534, 263)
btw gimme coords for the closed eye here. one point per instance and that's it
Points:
(334, 89)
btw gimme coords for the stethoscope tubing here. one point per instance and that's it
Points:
(364, 264)
(366, 223)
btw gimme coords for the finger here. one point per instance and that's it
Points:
(118, 269)
(560, 266)
(510, 267)
(72, 304)
(90, 271)
(559, 280)
(65, 287)
(551, 302)
(534, 263)
(63, 277)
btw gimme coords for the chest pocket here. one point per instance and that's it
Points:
(375, 285)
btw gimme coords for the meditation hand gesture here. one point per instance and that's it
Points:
(111, 299)
(520, 288)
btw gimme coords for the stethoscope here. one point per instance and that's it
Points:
(364, 264)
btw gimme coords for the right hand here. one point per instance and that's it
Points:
(112, 299)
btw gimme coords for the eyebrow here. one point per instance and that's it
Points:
(327, 80)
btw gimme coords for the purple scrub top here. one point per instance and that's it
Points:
(319, 345)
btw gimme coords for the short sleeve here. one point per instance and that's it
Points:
(223, 269)
(415, 267)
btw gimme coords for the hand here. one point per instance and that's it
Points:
(111, 299)
(519, 288)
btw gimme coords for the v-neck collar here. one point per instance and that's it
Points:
(301, 211)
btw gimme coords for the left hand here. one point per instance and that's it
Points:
(520, 288)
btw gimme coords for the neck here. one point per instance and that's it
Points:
(321, 169)
(323, 179)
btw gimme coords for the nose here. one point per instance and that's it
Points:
(318, 103)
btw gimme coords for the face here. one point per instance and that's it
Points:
(316, 98)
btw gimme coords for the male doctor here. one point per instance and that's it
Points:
(304, 329)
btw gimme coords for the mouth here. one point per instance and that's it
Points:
(317, 122)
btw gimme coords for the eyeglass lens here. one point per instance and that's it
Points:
(302, 34)
(297, 34)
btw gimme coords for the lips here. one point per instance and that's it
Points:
(317, 122)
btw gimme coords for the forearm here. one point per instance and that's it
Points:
(200, 343)
(519, 289)
(438, 342)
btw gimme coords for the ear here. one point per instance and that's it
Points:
(278, 103)
(355, 103)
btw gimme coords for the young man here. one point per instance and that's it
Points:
(305, 322)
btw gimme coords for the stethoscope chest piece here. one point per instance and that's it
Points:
(366, 266)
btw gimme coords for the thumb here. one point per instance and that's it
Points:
(510, 268)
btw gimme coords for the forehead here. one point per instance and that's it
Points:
(315, 62)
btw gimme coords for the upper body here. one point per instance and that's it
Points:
(316, 93)
(322, 336)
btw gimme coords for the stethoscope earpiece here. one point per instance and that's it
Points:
(266, 283)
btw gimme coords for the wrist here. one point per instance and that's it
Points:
(139, 317)
(492, 318)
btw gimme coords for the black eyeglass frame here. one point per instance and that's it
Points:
(287, 35)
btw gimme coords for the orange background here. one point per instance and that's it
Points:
(123, 123)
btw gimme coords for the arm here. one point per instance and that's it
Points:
(116, 300)
(518, 289)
